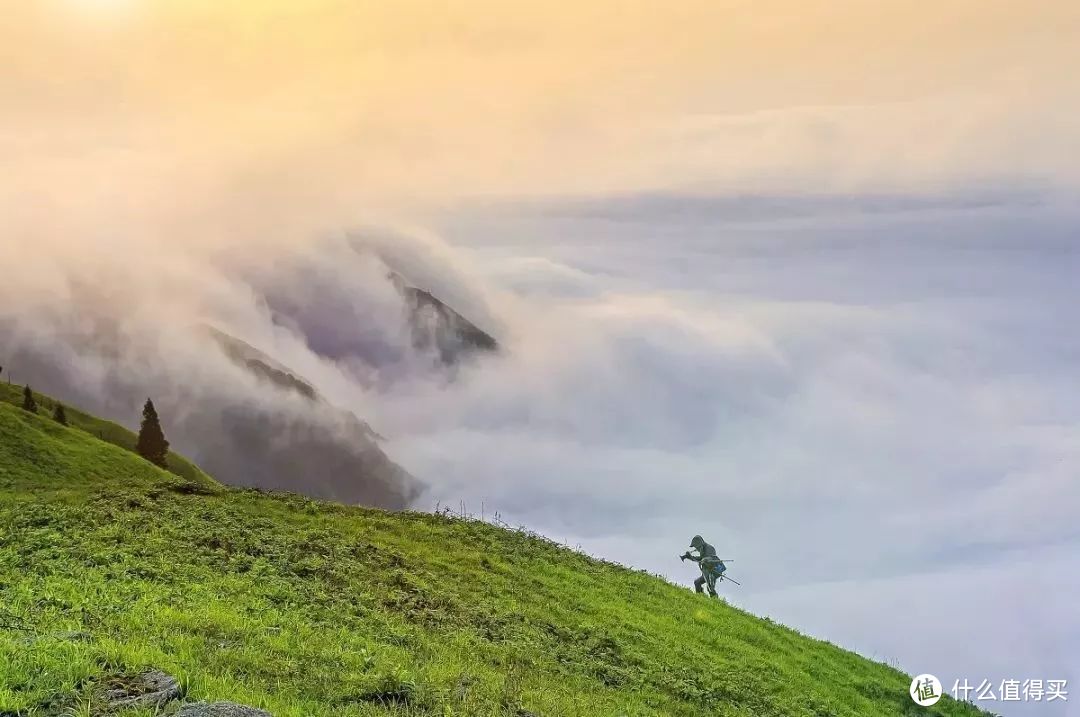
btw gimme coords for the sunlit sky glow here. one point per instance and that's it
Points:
(410, 101)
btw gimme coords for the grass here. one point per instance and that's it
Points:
(104, 430)
(110, 566)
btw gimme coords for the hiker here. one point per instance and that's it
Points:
(711, 566)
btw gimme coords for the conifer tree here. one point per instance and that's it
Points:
(59, 414)
(152, 444)
(28, 402)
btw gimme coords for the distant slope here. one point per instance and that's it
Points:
(105, 430)
(108, 567)
(337, 457)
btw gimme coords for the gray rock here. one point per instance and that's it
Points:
(150, 689)
(220, 709)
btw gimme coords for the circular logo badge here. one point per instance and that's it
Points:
(925, 690)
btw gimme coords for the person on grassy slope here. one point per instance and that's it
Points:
(711, 566)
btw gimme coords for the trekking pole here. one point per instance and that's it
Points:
(725, 577)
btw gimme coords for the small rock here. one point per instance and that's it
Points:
(150, 689)
(220, 709)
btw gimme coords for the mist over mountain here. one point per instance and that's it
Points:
(260, 375)
(772, 385)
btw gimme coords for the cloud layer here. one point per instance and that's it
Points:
(870, 402)
(279, 113)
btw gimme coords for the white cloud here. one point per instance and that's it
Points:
(874, 412)
(837, 398)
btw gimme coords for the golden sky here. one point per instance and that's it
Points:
(140, 105)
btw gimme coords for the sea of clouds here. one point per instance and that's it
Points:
(869, 403)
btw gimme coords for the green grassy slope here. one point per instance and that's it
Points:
(109, 565)
(105, 430)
